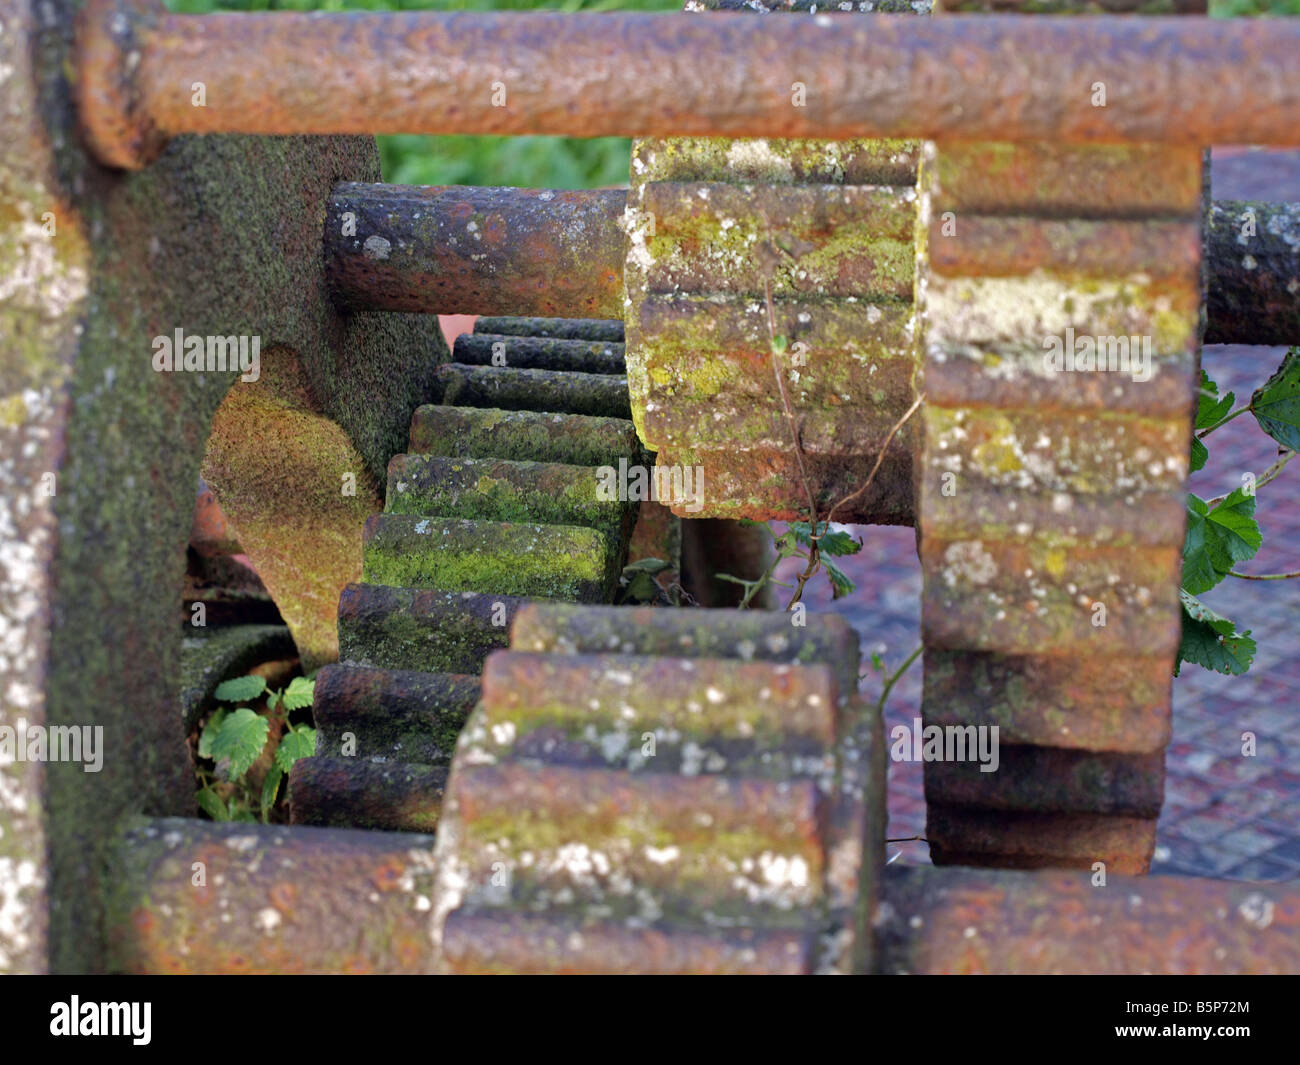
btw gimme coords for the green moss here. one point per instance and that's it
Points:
(550, 561)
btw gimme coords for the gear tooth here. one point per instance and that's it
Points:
(609, 330)
(361, 793)
(664, 812)
(473, 526)
(828, 228)
(505, 387)
(496, 941)
(391, 714)
(539, 353)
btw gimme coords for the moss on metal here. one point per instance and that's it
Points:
(220, 237)
(524, 435)
(553, 561)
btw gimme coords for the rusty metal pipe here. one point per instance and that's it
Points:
(1253, 255)
(461, 250)
(972, 921)
(1179, 80)
(192, 896)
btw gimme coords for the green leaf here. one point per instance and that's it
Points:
(1276, 405)
(779, 344)
(210, 731)
(240, 689)
(1232, 532)
(1218, 539)
(272, 698)
(1200, 454)
(210, 803)
(837, 542)
(270, 788)
(240, 741)
(297, 743)
(840, 583)
(299, 694)
(641, 588)
(1210, 409)
(1211, 641)
(240, 812)
(652, 566)
(787, 544)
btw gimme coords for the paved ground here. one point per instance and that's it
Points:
(1225, 815)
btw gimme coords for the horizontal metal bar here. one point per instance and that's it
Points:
(1179, 80)
(191, 896)
(953, 920)
(461, 250)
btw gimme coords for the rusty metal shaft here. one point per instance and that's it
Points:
(531, 252)
(1252, 252)
(1175, 80)
(196, 897)
(464, 250)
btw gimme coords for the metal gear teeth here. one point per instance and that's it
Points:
(828, 229)
(494, 505)
(1050, 503)
(662, 791)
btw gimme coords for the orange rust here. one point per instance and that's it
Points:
(1168, 80)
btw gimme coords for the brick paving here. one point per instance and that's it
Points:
(1225, 815)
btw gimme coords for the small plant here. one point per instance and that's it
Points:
(236, 740)
(798, 542)
(639, 586)
(1223, 532)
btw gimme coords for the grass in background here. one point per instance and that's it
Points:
(537, 162)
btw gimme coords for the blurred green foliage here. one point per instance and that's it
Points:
(538, 162)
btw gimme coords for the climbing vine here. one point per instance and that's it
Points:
(1222, 533)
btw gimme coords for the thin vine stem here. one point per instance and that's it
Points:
(1219, 425)
(1264, 576)
(896, 676)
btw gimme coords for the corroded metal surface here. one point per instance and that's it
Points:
(506, 490)
(609, 330)
(735, 243)
(1046, 923)
(512, 942)
(362, 793)
(100, 453)
(1253, 252)
(541, 436)
(985, 78)
(196, 897)
(421, 628)
(1050, 493)
(558, 629)
(458, 555)
(552, 391)
(476, 250)
(539, 353)
(403, 715)
(663, 812)
(472, 526)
